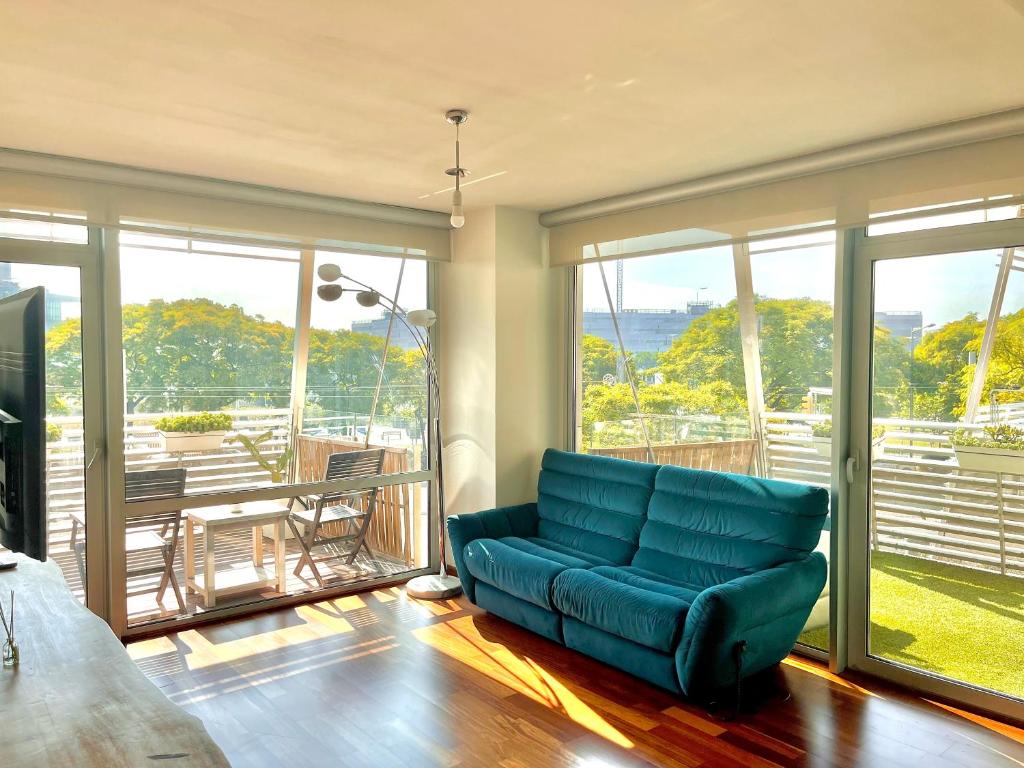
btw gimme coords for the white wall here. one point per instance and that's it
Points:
(501, 331)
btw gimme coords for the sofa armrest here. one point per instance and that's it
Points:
(519, 520)
(767, 610)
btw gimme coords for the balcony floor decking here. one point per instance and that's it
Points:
(233, 550)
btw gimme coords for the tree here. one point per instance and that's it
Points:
(598, 358)
(795, 338)
(196, 354)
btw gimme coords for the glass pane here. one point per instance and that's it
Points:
(947, 478)
(346, 347)
(933, 217)
(208, 336)
(678, 317)
(65, 460)
(244, 559)
(794, 288)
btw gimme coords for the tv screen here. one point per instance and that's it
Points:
(23, 423)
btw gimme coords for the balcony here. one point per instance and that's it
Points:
(397, 535)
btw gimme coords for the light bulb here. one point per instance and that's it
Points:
(422, 318)
(329, 292)
(368, 298)
(329, 272)
(458, 217)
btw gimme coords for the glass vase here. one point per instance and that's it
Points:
(12, 655)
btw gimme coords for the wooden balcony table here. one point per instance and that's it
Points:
(210, 584)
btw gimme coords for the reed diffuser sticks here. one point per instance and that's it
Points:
(11, 655)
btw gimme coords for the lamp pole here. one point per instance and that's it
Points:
(440, 585)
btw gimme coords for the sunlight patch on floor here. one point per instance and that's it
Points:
(233, 680)
(460, 640)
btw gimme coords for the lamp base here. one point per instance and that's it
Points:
(434, 587)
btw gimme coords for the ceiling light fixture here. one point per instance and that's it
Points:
(457, 117)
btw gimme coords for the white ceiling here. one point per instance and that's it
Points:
(571, 100)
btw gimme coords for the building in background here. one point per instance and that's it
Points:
(54, 301)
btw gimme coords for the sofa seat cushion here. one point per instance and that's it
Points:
(652, 582)
(648, 611)
(524, 568)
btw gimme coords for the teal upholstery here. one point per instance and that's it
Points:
(650, 618)
(524, 568)
(545, 623)
(593, 504)
(654, 667)
(520, 520)
(767, 609)
(706, 528)
(660, 571)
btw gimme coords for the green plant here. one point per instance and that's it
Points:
(824, 429)
(994, 436)
(196, 423)
(53, 432)
(276, 466)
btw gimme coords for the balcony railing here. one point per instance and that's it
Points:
(397, 532)
(922, 503)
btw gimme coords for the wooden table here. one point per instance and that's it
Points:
(77, 699)
(229, 517)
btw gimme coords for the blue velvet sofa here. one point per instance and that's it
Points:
(688, 579)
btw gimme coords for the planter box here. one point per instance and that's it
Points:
(188, 442)
(978, 459)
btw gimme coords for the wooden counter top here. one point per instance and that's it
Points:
(77, 699)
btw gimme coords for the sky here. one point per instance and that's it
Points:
(268, 288)
(943, 288)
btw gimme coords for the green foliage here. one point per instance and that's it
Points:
(198, 355)
(995, 436)
(197, 423)
(54, 432)
(276, 466)
(824, 429)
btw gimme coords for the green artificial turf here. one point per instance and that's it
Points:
(952, 621)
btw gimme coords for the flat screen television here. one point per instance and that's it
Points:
(23, 423)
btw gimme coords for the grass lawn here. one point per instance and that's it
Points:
(955, 622)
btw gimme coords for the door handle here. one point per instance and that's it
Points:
(852, 465)
(97, 446)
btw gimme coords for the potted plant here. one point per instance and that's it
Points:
(996, 448)
(193, 432)
(54, 432)
(821, 437)
(277, 466)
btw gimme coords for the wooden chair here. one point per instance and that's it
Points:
(352, 511)
(148, 533)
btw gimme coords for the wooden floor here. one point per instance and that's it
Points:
(382, 680)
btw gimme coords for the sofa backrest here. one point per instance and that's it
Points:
(594, 504)
(705, 528)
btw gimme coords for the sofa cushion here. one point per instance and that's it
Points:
(611, 601)
(593, 504)
(653, 582)
(524, 568)
(707, 528)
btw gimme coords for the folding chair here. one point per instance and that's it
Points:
(352, 510)
(148, 533)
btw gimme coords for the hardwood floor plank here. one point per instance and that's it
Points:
(382, 680)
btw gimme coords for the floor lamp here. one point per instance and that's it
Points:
(417, 321)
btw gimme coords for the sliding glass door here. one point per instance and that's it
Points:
(60, 256)
(937, 549)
